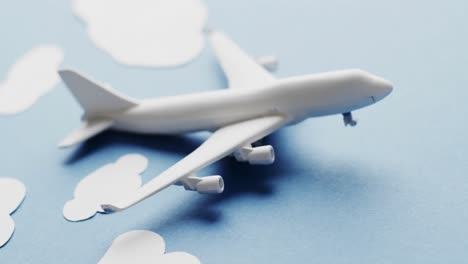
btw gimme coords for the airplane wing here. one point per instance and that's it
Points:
(241, 70)
(222, 143)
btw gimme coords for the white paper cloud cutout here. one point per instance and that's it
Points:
(108, 183)
(12, 193)
(154, 33)
(32, 76)
(143, 247)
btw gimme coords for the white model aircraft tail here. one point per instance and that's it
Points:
(98, 102)
(95, 99)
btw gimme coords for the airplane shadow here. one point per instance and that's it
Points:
(341, 183)
(240, 179)
(174, 144)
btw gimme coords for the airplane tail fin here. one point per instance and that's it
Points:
(98, 102)
(95, 99)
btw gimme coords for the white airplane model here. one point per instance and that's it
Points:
(255, 105)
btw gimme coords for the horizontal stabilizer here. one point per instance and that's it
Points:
(88, 129)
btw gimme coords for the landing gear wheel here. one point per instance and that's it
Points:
(348, 119)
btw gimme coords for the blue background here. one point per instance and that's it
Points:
(394, 189)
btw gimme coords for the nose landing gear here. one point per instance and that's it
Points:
(348, 119)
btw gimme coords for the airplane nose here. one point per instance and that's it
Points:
(382, 88)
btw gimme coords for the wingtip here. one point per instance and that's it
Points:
(66, 143)
(109, 208)
(64, 71)
(62, 146)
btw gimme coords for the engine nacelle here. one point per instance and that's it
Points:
(210, 184)
(264, 155)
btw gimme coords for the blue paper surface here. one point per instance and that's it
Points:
(394, 189)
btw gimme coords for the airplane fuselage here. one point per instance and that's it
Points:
(297, 98)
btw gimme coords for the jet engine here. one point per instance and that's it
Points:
(206, 185)
(210, 184)
(264, 155)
